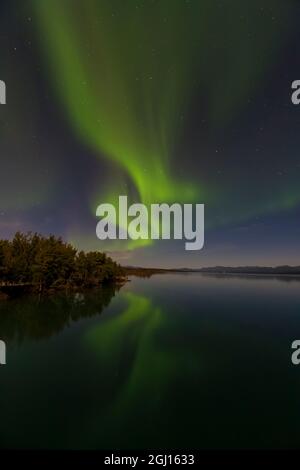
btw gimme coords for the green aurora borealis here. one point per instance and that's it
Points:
(123, 80)
(160, 100)
(126, 71)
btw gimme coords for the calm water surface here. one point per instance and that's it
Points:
(175, 361)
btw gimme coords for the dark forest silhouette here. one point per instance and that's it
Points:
(48, 263)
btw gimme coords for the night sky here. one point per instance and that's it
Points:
(160, 100)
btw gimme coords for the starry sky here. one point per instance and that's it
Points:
(160, 100)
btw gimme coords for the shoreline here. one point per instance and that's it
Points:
(273, 272)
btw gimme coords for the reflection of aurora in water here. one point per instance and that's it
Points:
(170, 363)
(131, 345)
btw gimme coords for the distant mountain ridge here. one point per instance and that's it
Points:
(278, 270)
(286, 269)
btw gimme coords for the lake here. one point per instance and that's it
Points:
(176, 361)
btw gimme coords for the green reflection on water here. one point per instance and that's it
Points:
(185, 361)
(133, 345)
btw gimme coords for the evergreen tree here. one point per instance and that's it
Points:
(50, 263)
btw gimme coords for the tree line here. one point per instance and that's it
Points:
(50, 263)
